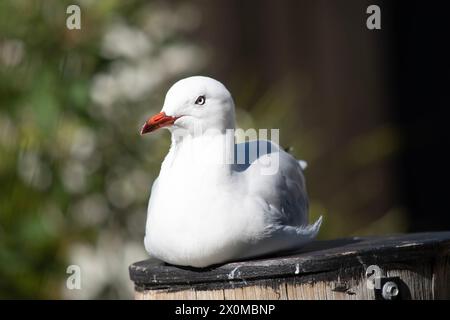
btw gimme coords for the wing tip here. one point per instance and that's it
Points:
(315, 227)
(310, 230)
(303, 164)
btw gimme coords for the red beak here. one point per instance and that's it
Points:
(157, 121)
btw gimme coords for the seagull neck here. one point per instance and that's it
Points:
(203, 152)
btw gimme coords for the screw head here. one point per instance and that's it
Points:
(390, 290)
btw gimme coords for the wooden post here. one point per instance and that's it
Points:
(411, 266)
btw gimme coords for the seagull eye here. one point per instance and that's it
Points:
(200, 100)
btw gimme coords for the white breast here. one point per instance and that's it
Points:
(199, 211)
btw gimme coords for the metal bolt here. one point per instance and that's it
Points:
(390, 290)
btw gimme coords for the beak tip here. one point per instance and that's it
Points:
(144, 129)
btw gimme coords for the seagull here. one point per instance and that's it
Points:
(215, 200)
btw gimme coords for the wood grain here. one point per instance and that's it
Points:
(333, 270)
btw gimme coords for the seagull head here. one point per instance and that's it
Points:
(194, 104)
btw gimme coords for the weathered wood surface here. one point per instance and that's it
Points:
(333, 269)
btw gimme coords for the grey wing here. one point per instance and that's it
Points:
(287, 207)
(293, 196)
(290, 230)
(287, 201)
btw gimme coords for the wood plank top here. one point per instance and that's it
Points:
(317, 257)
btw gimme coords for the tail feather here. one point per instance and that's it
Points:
(284, 239)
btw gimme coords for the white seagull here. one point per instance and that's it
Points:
(208, 207)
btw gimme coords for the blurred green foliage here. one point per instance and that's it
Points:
(73, 169)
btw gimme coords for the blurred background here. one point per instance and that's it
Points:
(364, 107)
